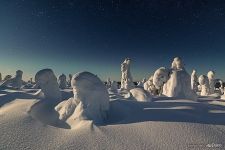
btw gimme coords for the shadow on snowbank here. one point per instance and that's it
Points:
(166, 110)
(8, 96)
(44, 111)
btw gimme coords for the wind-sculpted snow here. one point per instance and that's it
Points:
(164, 123)
(140, 94)
(47, 81)
(90, 101)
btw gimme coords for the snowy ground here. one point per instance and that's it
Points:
(165, 123)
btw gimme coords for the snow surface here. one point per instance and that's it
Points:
(164, 123)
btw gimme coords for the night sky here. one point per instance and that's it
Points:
(96, 35)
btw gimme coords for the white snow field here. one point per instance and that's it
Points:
(164, 123)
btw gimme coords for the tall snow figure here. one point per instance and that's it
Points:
(17, 81)
(126, 79)
(211, 75)
(179, 83)
(69, 81)
(47, 80)
(90, 101)
(62, 81)
(194, 81)
(221, 87)
(108, 83)
(204, 83)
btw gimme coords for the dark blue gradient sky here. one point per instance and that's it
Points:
(96, 35)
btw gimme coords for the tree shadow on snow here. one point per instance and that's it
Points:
(173, 110)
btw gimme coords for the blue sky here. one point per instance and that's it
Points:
(96, 35)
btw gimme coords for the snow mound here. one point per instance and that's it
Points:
(47, 81)
(140, 94)
(90, 101)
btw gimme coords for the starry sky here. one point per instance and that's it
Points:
(96, 35)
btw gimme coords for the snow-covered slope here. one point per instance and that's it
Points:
(163, 123)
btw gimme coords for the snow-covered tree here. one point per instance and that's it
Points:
(211, 75)
(47, 81)
(160, 77)
(204, 83)
(126, 79)
(15, 82)
(150, 87)
(62, 81)
(176, 81)
(194, 81)
(221, 87)
(90, 101)
(7, 77)
(114, 87)
(141, 83)
(69, 81)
